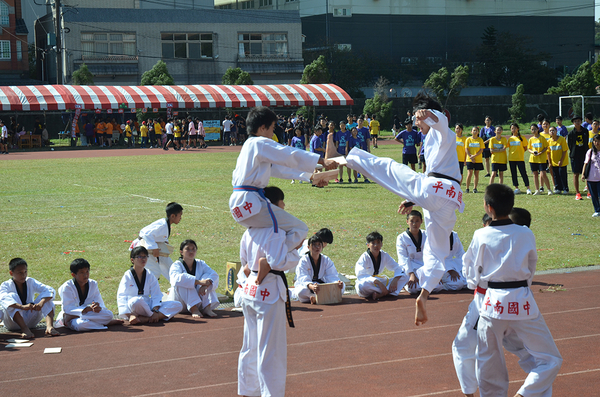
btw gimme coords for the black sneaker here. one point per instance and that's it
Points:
(487, 175)
(474, 190)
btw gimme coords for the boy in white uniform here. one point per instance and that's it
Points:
(369, 281)
(262, 364)
(139, 296)
(193, 282)
(409, 247)
(82, 306)
(158, 232)
(259, 159)
(502, 258)
(453, 279)
(21, 311)
(438, 193)
(313, 269)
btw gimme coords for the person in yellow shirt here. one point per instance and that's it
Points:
(158, 131)
(593, 132)
(374, 130)
(177, 133)
(474, 146)
(538, 160)
(108, 132)
(558, 149)
(498, 145)
(545, 131)
(144, 134)
(516, 157)
(129, 133)
(100, 130)
(460, 147)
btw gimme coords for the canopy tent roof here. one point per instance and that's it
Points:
(63, 97)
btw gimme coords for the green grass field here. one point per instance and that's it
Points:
(54, 208)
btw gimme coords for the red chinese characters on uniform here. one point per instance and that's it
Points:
(513, 308)
(460, 197)
(252, 291)
(451, 192)
(247, 206)
(526, 307)
(237, 213)
(438, 185)
(246, 289)
(487, 303)
(264, 293)
(498, 308)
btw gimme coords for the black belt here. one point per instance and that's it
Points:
(507, 284)
(288, 302)
(438, 175)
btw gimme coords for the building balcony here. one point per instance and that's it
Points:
(107, 58)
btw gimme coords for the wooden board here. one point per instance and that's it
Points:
(324, 176)
(166, 249)
(329, 294)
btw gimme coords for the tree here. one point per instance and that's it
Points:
(581, 82)
(158, 75)
(381, 106)
(446, 85)
(83, 76)
(517, 111)
(316, 72)
(236, 76)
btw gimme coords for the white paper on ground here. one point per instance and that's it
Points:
(18, 340)
(51, 350)
(11, 345)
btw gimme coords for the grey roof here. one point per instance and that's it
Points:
(21, 27)
(181, 15)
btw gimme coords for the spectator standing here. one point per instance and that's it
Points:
(411, 139)
(562, 130)
(592, 158)
(227, 123)
(487, 131)
(374, 130)
(460, 148)
(558, 149)
(538, 160)
(516, 158)
(577, 140)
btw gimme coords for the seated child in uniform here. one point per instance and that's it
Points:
(139, 296)
(158, 232)
(509, 307)
(193, 282)
(369, 282)
(314, 269)
(453, 279)
(82, 305)
(22, 310)
(409, 247)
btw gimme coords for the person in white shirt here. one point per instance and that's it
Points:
(3, 138)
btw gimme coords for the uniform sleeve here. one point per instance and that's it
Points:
(94, 294)
(122, 296)
(154, 233)
(403, 255)
(455, 259)
(43, 290)
(244, 249)
(154, 289)
(441, 127)
(389, 263)
(331, 274)
(178, 277)
(208, 272)
(287, 156)
(8, 297)
(282, 172)
(364, 267)
(70, 299)
(472, 263)
(303, 272)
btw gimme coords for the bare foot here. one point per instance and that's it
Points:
(133, 320)
(115, 322)
(27, 335)
(51, 331)
(376, 296)
(209, 312)
(518, 395)
(313, 300)
(420, 312)
(195, 312)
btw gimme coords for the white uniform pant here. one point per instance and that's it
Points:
(537, 341)
(262, 365)
(302, 293)
(366, 287)
(450, 285)
(31, 317)
(415, 289)
(439, 213)
(139, 306)
(159, 266)
(238, 297)
(295, 230)
(188, 297)
(89, 321)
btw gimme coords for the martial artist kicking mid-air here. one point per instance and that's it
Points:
(438, 192)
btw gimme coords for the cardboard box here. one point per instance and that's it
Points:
(233, 269)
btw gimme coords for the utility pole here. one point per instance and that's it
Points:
(58, 34)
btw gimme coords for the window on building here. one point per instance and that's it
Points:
(4, 10)
(290, 1)
(187, 45)
(4, 49)
(19, 51)
(342, 12)
(246, 5)
(262, 45)
(102, 45)
(264, 3)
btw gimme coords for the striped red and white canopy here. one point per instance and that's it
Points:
(62, 97)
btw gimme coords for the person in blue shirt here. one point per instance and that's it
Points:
(353, 142)
(487, 131)
(316, 145)
(560, 128)
(341, 141)
(411, 139)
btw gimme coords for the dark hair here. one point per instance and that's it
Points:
(559, 118)
(486, 219)
(374, 116)
(78, 264)
(488, 117)
(173, 209)
(314, 239)
(540, 117)
(325, 235)
(597, 139)
(518, 132)
(500, 197)
(258, 117)
(589, 115)
(374, 236)
(140, 249)
(424, 101)
(274, 194)
(16, 262)
(459, 125)
(186, 242)
(414, 213)
(520, 216)
(536, 126)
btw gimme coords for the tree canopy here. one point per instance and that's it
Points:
(316, 72)
(236, 76)
(158, 75)
(83, 76)
(446, 85)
